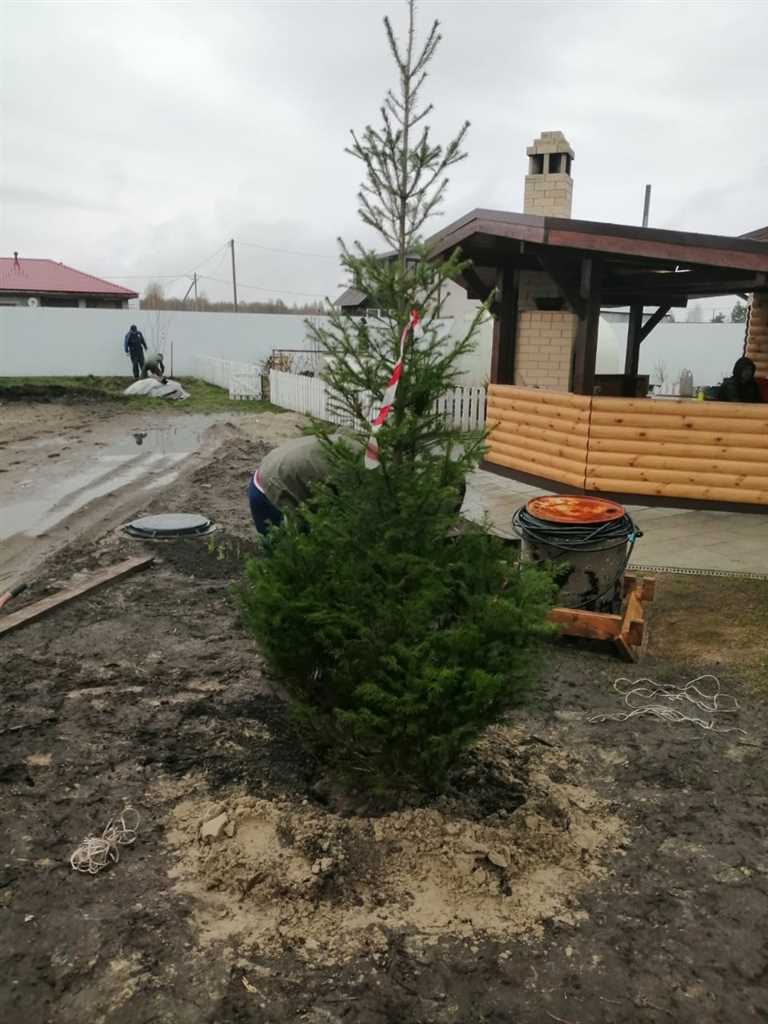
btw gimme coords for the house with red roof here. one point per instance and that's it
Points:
(32, 282)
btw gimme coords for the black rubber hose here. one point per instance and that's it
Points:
(575, 536)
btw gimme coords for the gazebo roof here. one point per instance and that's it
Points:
(648, 265)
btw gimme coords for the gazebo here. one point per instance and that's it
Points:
(551, 417)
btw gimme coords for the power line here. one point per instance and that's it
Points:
(208, 258)
(173, 277)
(261, 288)
(290, 252)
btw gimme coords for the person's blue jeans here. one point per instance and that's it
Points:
(263, 512)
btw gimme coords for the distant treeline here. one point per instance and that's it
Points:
(204, 305)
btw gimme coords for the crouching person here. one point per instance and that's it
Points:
(153, 363)
(285, 479)
(288, 474)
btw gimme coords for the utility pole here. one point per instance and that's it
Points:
(234, 276)
(193, 285)
(646, 206)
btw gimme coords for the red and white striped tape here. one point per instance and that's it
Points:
(372, 459)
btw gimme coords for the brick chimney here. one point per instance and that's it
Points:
(545, 333)
(548, 184)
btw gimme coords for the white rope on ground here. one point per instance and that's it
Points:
(97, 852)
(642, 696)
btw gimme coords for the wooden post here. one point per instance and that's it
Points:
(632, 359)
(585, 353)
(504, 327)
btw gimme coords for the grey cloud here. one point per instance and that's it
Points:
(138, 138)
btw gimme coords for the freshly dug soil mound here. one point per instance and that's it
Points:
(282, 875)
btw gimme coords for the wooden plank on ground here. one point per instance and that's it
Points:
(591, 625)
(97, 579)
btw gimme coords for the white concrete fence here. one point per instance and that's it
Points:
(464, 407)
(48, 342)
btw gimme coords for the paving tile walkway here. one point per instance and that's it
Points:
(673, 538)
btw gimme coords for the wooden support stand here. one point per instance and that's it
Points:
(627, 631)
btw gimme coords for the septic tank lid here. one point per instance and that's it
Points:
(574, 508)
(170, 524)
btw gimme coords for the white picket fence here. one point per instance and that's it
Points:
(300, 394)
(241, 380)
(464, 407)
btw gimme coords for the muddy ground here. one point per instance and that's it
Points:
(68, 470)
(574, 872)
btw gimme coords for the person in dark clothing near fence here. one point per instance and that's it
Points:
(135, 347)
(741, 386)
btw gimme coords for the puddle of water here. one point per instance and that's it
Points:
(56, 491)
(34, 516)
(179, 437)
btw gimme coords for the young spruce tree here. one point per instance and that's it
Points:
(400, 634)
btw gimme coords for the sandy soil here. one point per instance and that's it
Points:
(573, 872)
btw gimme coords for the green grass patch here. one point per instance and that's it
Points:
(203, 398)
(711, 620)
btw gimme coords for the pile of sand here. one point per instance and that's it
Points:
(279, 874)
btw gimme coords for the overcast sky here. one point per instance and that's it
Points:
(137, 138)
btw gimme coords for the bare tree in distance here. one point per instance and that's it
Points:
(153, 296)
(696, 314)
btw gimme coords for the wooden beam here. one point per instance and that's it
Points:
(632, 358)
(686, 282)
(476, 287)
(98, 579)
(569, 289)
(591, 625)
(504, 327)
(585, 352)
(653, 321)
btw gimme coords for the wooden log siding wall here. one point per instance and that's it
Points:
(757, 333)
(665, 448)
(543, 433)
(679, 449)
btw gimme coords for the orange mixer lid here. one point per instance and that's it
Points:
(574, 508)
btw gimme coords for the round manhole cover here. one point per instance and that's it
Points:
(171, 524)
